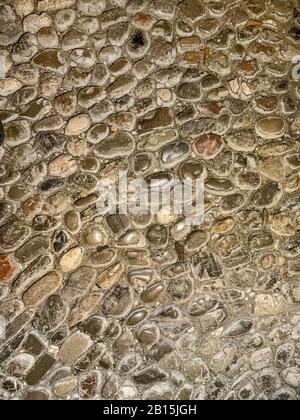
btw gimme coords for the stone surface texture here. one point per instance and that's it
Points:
(128, 307)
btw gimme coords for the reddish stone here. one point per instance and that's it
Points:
(210, 109)
(254, 23)
(143, 21)
(209, 145)
(8, 268)
(33, 206)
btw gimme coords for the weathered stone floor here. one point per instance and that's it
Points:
(147, 307)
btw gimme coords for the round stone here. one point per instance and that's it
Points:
(270, 127)
(17, 132)
(142, 162)
(232, 203)
(95, 235)
(164, 54)
(103, 257)
(174, 153)
(196, 240)
(180, 290)
(209, 146)
(77, 125)
(118, 301)
(71, 259)
(190, 92)
(247, 180)
(268, 195)
(219, 186)
(136, 317)
(153, 293)
(158, 236)
(97, 133)
(192, 170)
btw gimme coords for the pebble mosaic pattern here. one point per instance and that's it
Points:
(148, 307)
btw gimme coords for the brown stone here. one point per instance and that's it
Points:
(73, 347)
(209, 145)
(41, 289)
(8, 268)
(42, 366)
(160, 118)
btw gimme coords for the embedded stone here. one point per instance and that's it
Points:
(71, 259)
(242, 141)
(42, 366)
(268, 195)
(77, 125)
(174, 153)
(40, 290)
(9, 86)
(50, 60)
(73, 347)
(116, 145)
(118, 301)
(122, 86)
(270, 127)
(8, 268)
(192, 10)
(161, 118)
(269, 305)
(209, 145)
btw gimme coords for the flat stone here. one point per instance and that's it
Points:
(122, 86)
(161, 118)
(242, 141)
(190, 92)
(192, 10)
(116, 145)
(79, 283)
(157, 140)
(91, 7)
(13, 234)
(33, 22)
(274, 148)
(85, 308)
(164, 54)
(74, 39)
(292, 376)
(9, 267)
(219, 186)
(51, 315)
(50, 60)
(269, 305)
(270, 127)
(209, 146)
(78, 125)
(73, 347)
(54, 5)
(42, 366)
(267, 196)
(64, 386)
(273, 168)
(9, 86)
(71, 259)
(174, 153)
(40, 290)
(33, 248)
(118, 301)
(160, 391)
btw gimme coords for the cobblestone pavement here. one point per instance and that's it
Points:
(149, 307)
